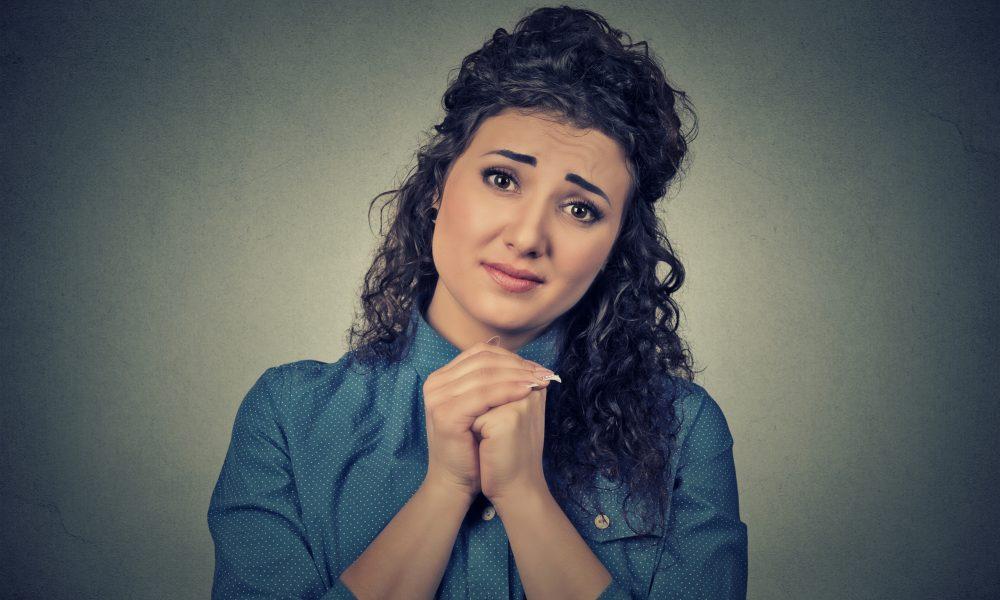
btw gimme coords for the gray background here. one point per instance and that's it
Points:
(185, 192)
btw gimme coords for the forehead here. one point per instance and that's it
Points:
(558, 147)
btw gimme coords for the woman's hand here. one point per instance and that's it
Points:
(510, 452)
(479, 379)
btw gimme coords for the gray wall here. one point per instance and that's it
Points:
(185, 193)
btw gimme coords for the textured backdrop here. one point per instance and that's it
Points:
(185, 192)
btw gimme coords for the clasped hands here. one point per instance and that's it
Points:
(485, 418)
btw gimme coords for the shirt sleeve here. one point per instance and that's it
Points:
(705, 553)
(261, 550)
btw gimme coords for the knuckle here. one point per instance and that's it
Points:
(516, 391)
(440, 414)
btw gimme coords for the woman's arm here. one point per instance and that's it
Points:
(261, 547)
(706, 550)
(553, 560)
(409, 556)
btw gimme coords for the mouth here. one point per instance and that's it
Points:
(509, 282)
(515, 272)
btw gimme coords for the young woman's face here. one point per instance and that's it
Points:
(550, 202)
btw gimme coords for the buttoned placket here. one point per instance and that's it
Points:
(487, 544)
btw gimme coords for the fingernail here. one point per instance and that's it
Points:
(542, 373)
(494, 341)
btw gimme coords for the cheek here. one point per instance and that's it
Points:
(466, 217)
(583, 260)
(465, 212)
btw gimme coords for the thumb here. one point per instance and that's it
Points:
(494, 341)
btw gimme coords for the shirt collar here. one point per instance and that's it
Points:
(429, 351)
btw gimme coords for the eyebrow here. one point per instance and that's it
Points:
(570, 177)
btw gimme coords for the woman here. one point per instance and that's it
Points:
(427, 462)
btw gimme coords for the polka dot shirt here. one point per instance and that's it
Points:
(322, 457)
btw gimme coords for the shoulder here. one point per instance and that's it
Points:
(703, 428)
(305, 389)
(297, 377)
(282, 386)
(295, 382)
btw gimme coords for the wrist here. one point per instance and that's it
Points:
(527, 496)
(446, 492)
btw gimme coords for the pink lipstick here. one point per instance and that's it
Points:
(509, 282)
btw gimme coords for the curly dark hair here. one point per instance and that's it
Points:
(615, 413)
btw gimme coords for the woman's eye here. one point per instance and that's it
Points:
(583, 209)
(497, 179)
(500, 179)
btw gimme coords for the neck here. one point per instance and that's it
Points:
(454, 323)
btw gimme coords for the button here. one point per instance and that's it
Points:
(489, 512)
(602, 521)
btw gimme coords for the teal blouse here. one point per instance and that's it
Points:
(323, 456)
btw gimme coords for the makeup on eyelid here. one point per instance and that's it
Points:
(597, 213)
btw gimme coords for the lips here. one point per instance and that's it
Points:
(515, 272)
(509, 283)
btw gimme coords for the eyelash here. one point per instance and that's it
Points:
(598, 215)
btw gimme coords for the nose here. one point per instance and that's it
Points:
(527, 230)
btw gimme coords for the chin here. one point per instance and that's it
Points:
(500, 311)
(507, 312)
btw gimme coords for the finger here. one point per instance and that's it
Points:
(490, 356)
(483, 369)
(481, 420)
(487, 375)
(474, 350)
(477, 357)
(465, 409)
(532, 405)
(471, 350)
